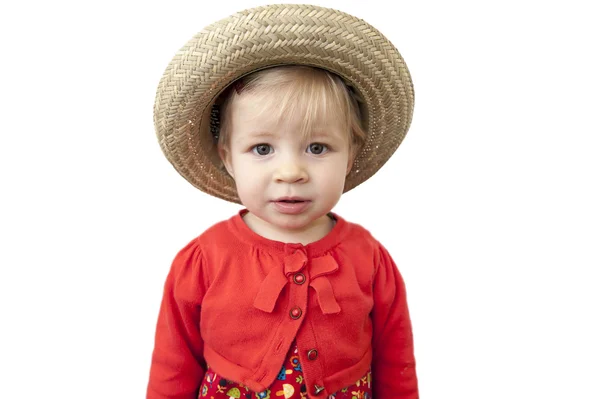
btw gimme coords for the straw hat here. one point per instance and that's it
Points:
(269, 36)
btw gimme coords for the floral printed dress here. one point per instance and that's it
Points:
(288, 385)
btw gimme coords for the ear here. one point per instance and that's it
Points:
(351, 157)
(225, 156)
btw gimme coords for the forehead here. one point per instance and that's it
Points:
(254, 114)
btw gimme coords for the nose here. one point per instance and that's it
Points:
(291, 171)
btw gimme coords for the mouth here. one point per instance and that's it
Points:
(291, 205)
(291, 200)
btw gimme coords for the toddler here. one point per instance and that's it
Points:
(283, 109)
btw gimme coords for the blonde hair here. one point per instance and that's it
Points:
(289, 91)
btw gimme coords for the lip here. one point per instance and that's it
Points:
(291, 208)
(290, 199)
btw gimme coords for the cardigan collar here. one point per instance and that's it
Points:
(238, 227)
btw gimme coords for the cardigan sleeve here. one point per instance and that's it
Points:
(393, 364)
(178, 366)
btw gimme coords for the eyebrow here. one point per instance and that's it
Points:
(261, 134)
(254, 135)
(327, 134)
(318, 134)
(323, 134)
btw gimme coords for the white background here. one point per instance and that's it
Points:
(490, 207)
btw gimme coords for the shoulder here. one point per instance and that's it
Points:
(359, 242)
(356, 234)
(198, 246)
(360, 239)
(191, 264)
(215, 233)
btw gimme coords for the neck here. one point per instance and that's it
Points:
(311, 233)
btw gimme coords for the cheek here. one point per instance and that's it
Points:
(247, 190)
(248, 178)
(245, 167)
(333, 176)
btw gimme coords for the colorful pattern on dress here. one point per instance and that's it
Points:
(289, 384)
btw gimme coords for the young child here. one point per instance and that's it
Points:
(282, 109)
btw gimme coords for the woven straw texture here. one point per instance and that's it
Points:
(279, 35)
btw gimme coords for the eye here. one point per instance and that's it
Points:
(317, 148)
(262, 149)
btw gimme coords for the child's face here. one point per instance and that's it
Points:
(272, 164)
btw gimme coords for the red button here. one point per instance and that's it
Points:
(312, 354)
(299, 278)
(295, 313)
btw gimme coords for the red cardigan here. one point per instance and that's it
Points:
(236, 301)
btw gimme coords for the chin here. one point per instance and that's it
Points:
(299, 224)
(289, 222)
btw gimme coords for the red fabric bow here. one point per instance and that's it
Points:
(296, 261)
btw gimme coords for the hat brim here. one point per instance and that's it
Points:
(270, 36)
